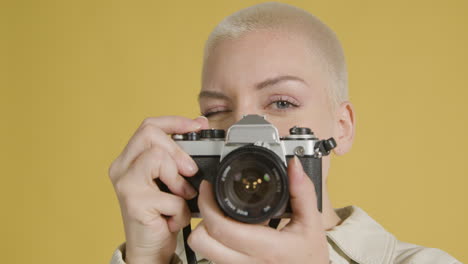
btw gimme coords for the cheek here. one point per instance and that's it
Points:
(283, 125)
(319, 122)
(319, 119)
(314, 113)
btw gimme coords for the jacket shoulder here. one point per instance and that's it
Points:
(406, 253)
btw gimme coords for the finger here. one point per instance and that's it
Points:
(153, 132)
(201, 242)
(233, 234)
(302, 197)
(151, 164)
(203, 121)
(168, 174)
(174, 124)
(177, 210)
(147, 206)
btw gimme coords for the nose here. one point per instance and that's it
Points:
(246, 106)
(239, 114)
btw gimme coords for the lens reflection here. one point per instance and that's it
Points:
(249, 185)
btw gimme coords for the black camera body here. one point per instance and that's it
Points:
(247, 166)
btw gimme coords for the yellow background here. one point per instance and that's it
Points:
(78, 77)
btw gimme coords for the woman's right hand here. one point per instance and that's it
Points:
(151, 217)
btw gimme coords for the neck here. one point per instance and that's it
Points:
(329, 218)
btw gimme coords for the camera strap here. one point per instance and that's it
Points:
(274, 223)
(189, 254)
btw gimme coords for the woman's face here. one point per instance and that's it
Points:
(271, 74)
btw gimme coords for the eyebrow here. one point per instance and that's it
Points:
(258, 86)
(212, 94)
(278, 79)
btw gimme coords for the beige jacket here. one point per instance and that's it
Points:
(358, 239)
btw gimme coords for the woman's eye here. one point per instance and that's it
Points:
(282, 104)
(207, 115)
(215, 111)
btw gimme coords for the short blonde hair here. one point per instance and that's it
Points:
(279, 16)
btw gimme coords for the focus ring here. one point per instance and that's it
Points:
(237, 163)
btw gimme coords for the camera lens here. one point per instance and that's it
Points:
(251, 185)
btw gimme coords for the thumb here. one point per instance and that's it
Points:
(203, 121)
(302, 196)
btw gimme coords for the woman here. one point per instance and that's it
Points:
(281, 62)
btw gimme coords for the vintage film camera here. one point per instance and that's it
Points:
(248, 166)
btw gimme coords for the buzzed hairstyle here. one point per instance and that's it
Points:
(283, 17)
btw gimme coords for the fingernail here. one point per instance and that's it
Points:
(202, 117)
(190, 192)
(192, 168)
(196, 126)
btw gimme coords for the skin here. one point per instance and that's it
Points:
(269, 73)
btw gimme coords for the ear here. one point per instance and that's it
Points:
(344, 129)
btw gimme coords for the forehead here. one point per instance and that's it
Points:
(259, 55)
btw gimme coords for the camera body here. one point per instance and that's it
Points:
(247, 166)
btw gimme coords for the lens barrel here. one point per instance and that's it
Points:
(251, 184)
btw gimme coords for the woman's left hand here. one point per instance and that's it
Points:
(224, 240)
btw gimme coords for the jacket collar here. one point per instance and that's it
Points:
(361, 238)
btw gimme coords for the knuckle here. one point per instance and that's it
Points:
(147, 132)
(179, 203)
(148, 159)
(121, 188)
(114, 169)
(195, 238)
(154, 160)
(111, 171)
(182, 155)
(148, 121)
(156, 153)
(152, 136)
(215, 230)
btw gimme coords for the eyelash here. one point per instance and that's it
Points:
(278, 98)
(214, 110)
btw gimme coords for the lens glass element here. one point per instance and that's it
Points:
(251, 184)
(248, 185)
